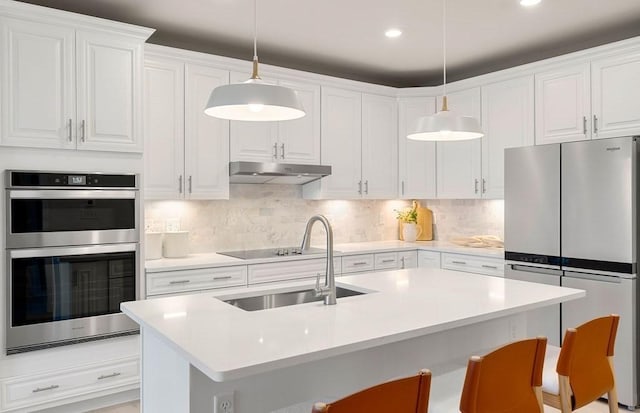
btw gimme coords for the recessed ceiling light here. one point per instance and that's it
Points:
(393, 33)
(529, 3)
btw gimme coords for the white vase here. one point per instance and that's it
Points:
(410, 231)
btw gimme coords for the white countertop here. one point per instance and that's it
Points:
(204, 260)
(228, 343)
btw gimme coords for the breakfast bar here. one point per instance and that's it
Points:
(198, 350)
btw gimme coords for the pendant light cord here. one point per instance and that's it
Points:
(445, 105)
(255, 75)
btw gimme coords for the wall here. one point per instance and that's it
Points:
(263, 216)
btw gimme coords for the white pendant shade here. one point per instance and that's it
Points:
(446, 126)
(254, 100)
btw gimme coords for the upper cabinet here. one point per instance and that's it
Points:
(70, 87)
(416, 159)
(186, 152)
(507, 122)
(293, 141)
(359, 142)
(458, 164)
(591, 100)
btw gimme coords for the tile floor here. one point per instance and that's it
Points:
(134, 407)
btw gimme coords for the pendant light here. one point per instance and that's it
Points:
(445, 125)
(254, 99)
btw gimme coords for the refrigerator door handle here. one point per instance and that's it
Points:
(538, 270)
(593, 277)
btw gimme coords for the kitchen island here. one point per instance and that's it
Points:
(197, 346)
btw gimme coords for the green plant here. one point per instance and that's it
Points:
(408, 214)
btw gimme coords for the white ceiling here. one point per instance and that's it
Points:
(346, 37)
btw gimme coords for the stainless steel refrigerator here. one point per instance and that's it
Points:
(571, 219)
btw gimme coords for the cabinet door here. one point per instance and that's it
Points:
(206, 138)
(341, 138)
(416, 159)
(458, 163)
(109, 88)
(615, 93)
(408, 259)
(507, 121)
(163, 129)
(253, 141)
(299, 139)
(563, 105)
(38, 84)
(429, 259)
(379, 147)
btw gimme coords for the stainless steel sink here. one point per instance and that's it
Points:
(266, 301)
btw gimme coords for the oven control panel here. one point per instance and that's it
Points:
(21, 179)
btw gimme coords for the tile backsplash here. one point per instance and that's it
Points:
(264, 216)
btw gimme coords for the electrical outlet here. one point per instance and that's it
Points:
(223, 403)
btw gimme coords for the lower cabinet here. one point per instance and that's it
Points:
(28, 391)
(358, 263)
(474, 264)
(408, 259)
(290, 270)
(428, 259)
(180, 281)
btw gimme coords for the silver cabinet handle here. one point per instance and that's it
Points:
(360, 187)
(493, 267)
(402, 187)
(402, 262)
(360, 263)
(366, 187)
(190, 184)
(595, 124)
(484, 186)
(459, 262)
(180, 184)
(282, 151)
(475, 186)
(179, 282)
(109, 376)
(275, 151)
(225, 277)
(584, 125)
(387, 261)
(82, 128)
(70, 135)
(39, 389)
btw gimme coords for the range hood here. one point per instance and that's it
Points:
(242, 172)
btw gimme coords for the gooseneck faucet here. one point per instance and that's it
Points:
(328, 291)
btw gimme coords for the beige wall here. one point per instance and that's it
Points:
(264, 216)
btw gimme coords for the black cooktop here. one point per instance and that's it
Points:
(272, 252)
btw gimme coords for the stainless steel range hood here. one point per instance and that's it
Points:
(242, 172)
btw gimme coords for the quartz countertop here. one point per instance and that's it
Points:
(227, 343)
(204, 260)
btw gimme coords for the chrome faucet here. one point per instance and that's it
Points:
(328, 291)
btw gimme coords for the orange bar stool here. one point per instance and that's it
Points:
(406, 395)
(507, 380)
(584, 366)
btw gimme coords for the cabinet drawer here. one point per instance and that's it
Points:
(357, 263)
(478, 265)
(43, 388)
(408, 259)
(428, 259)
(386, 260)
(290, 270)
(167, 282)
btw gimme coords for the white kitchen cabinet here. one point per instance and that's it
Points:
(615, 93)
(416, 159)
(186, 152)
(474, 264)
(70, 88)
(458, 164)
(507, 122)
(429, 259)
(293, 141)
(407, 259)
(28, 392)
(358, 263)
(385, 261)
(563, 105)
(291, 270)
(180, 281)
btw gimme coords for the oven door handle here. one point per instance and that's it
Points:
(64, 251)
(72, 194)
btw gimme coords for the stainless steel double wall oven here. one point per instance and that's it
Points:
(72, 256)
